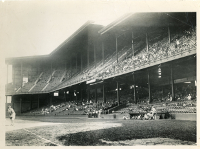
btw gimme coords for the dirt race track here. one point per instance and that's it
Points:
(81, 131)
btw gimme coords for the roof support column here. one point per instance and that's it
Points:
(31, 102)
(94, 56)
(70, 93)
(70, 67)
(149, 86)
(88, 95)
(81, 92)
(169, 35)
(50, 99)
(65, 65)
(64, 94)
(95, 93)
(88, 56)
(76, 94)
(103, 52)
(20, 105)
(67, 94)
(118, 99)
(12, 101)
(132, 45)
(76, 63)
(38, 102)
(116, 49)
(81, 62)
(147, 42)
(134, 88)
(172, 83)
(104, 97)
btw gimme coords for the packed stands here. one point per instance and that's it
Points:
(160, 49)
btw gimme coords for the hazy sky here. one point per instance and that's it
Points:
(38, 27)
(33, 27)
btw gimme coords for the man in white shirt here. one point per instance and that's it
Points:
(11, 113)
(152, 113)
(189, 97)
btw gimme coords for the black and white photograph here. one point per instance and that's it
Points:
(98, 73)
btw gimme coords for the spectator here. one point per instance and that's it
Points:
(43, 111)
(152, 113)
(146, 117)
(139, 117)
(177, 43)
(125, 117)
(11, 113)
(189, 97)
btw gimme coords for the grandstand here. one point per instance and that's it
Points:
(139, 60)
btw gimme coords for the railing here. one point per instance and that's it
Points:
(38, 78)
(50, 77)
(108, 111)
(64, 73)
(158, 56)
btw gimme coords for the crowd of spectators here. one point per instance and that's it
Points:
(160, 49)
(187, 104)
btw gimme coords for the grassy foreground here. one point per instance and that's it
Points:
(130, 129)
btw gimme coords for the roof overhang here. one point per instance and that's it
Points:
(115, 23)
(135, 21)
(14, 60)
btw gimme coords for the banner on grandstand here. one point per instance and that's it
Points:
(185, 79)
(56, 93)
(94, 81)
(25, 79)
(91, 81)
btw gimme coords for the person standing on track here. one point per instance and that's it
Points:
(11, 113)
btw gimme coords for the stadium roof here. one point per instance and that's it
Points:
(132, 21)
(83, 34)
